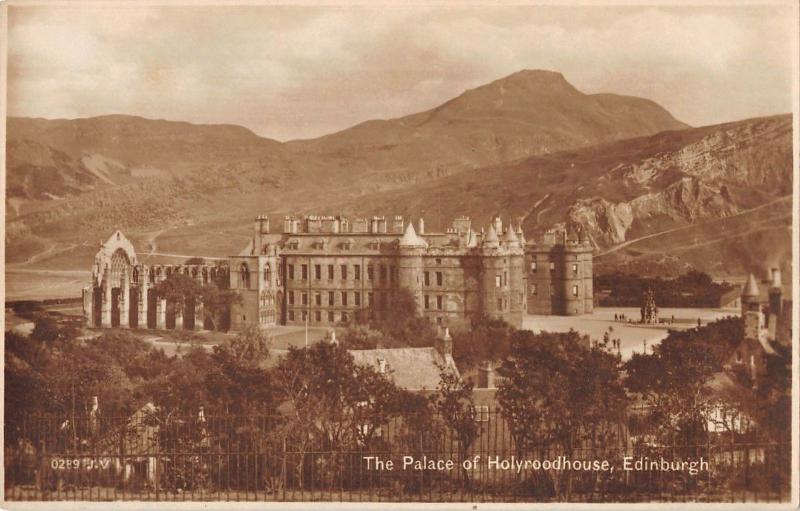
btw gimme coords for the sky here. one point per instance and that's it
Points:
(289, 72)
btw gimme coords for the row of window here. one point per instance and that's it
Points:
(266, 316)
(344, 272)
(535, 290)
(329, 298)
(439, 278)
(535, 267)
(501, 280)
(316, 316)
(427, 302)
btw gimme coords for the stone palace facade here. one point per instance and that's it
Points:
(324, 270)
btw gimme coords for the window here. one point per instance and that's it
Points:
(330, 317)
(438, 321)
(304, 297)
(533, 266)
(244, 276)
(497, 281)
(305, 315)
(357, 272)
(505, 278)
(291, 271)
(370, 272)
(534, 289)
(439, 302)
(291, 297)
(318, 298)
(267, 275)
(499, 304)
(318, 271)
(370, 297)
(574, 290)
(574, 268)
(304, 271)
(427, 278)
(552, 290)
(317, 316)
(439, 278)
(357, 299)
(291, 315)
(330, 298)
(438, 260)
(330, 272)
(552, 266)
(344, 317)
(481, 413)
(344, 272)
(383, 273)
(344, 297)
(427, 300)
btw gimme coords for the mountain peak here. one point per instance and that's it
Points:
(532, 82)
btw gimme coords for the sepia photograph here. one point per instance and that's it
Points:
(472, 253)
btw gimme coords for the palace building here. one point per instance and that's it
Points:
(324, 270)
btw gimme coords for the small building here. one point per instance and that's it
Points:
(767, 322)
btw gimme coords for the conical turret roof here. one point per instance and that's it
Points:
(510, 236)
(491, 235)
(751, 287)
(410, 238)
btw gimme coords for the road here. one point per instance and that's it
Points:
(685, 227)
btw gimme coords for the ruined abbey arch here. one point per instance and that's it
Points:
(122, 291)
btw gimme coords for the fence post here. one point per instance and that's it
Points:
(283, 471)
(157, 474)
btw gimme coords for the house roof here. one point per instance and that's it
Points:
(409, 368)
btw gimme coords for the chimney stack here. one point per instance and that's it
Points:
(776, 277)
(445, 344)
(775, 298)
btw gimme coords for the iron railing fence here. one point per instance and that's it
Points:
(166, 458)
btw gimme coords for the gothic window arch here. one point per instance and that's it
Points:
(244, 276)
(267, 274)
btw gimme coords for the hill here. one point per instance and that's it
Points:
(630, 194)
(527, 113)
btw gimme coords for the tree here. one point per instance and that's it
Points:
(177, 289)
(217, 304)
(488, 339)
(673, 379)
(361, 337)
(558, 392)
(333, 402)
(250, 346)
(453, 401)
(401, 324)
